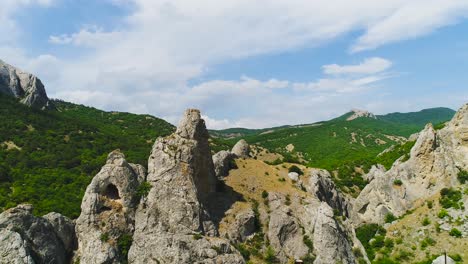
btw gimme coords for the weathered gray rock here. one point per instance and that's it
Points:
(331, 242)
(24, 86)
(294, 176)
(181, 172)
(241, 149)
(323, 187)
(29, 239)
(108, 211)
(284, 230)
(223, 162)
(13, 249)
(242, 227)
(434, 162)
(375, 171)
(443, 260)
(65, 229)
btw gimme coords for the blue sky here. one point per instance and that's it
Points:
(243, 63)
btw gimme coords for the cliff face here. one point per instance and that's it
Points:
(434, 163)
(24, 86)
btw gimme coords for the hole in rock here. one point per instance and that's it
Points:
(112, 192)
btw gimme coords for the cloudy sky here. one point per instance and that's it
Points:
(244, 63)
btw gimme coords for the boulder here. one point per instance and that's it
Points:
(24, 86)
(241, 149)
(65, 229)
(242, 227)
(223, 161)
(29, 239)
(294, 176)
(108, 211)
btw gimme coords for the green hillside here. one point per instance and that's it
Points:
(341, 145)
(47, 158)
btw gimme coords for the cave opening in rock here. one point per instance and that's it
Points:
(112, 192)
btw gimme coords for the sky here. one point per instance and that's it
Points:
(243, 63)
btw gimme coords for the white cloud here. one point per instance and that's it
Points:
(146, 64)
(369, 66)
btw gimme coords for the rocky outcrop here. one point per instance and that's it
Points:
(172, 223)
(65, 230)
(25, 238)
(323, 187)
(374, 172)
(331, 242)
(356, 113)
(108, 211)
(284, 230)
(242, 226)
(24, 86)
(223, 162)
(434, 162)
(241, 149)
(443, 260)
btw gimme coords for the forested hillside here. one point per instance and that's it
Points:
(47, 158)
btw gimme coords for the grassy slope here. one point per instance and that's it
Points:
(61, 151)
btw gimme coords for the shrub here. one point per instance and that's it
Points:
(455, 233)
(463, 176)
(104, 237)
(430, 204)
(442, 213)
(390, 218)
(282, 179)
(270, 256)
(426, 221)
(397, 182)
(288, 200)
(264, 194)
(197, 236)
(143, 189)
(296, 169)
(124, 243)
(449, 198)
(456, 257)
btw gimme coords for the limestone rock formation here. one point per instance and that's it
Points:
(294, 176)
(331, 242)
(25, 86)
(241, 149)
(223, 162)
(284, 230)
(374, 172)
(241, 227)
(434, 162)
(65, 230)
(172, 223)
(356, 113)
(25, 238)
(323, 187)
(108, 211)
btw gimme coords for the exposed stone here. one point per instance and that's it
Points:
(323, 187)
(173, 222)
(223, 162)
(356, 113)
(108, 211)
(242, 227)
(443, 260)
(29, 239)
(24, 86)
(241, 149)
(284, 230)
(434, 162)
(294, 176)
(375, 171)
(330, 240)
(65, 229)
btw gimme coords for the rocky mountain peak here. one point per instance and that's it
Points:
(356, 113)
(192, 126)
(24, 86)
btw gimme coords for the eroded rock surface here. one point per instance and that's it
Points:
(434, 163)
(172, 223)
(241, 149)
(223, 162)
(108, 211)
(25, 86)
(25, 238)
